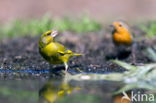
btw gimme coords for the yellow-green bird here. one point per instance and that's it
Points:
(53, 52)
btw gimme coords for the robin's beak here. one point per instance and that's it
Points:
(54, 33)
(112, 28)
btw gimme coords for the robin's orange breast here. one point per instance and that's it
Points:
(122, 39)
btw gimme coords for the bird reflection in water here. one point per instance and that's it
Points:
(56, 89)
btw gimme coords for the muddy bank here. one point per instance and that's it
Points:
(22, 54)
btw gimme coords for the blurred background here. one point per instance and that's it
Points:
(98, 9)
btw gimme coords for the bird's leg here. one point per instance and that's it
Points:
(134, 47)
(66, 66)
(133, 53)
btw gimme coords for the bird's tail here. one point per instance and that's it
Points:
(77, 54)
(68, 52)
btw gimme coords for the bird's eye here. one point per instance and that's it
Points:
(120, 25)
(48, 34)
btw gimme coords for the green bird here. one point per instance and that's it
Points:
(54, 52)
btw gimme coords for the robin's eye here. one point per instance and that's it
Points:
(120, 25)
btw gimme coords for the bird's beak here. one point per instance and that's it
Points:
(112, 27)
(54, 33)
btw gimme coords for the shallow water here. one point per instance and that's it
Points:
(60, 89)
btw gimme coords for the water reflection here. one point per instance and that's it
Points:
(54, 90)
(65, 89)
(119, 99)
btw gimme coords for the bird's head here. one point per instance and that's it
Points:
(120, 27)
(47, 37)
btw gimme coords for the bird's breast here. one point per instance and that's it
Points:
(124, 39)
(50, 53)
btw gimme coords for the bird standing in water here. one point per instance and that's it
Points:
(53, 52)
(123, 39)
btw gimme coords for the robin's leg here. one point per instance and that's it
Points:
(134, 48)
(134, 45)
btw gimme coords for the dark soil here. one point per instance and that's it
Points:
(22, 54)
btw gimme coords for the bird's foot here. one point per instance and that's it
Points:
(66, 67)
